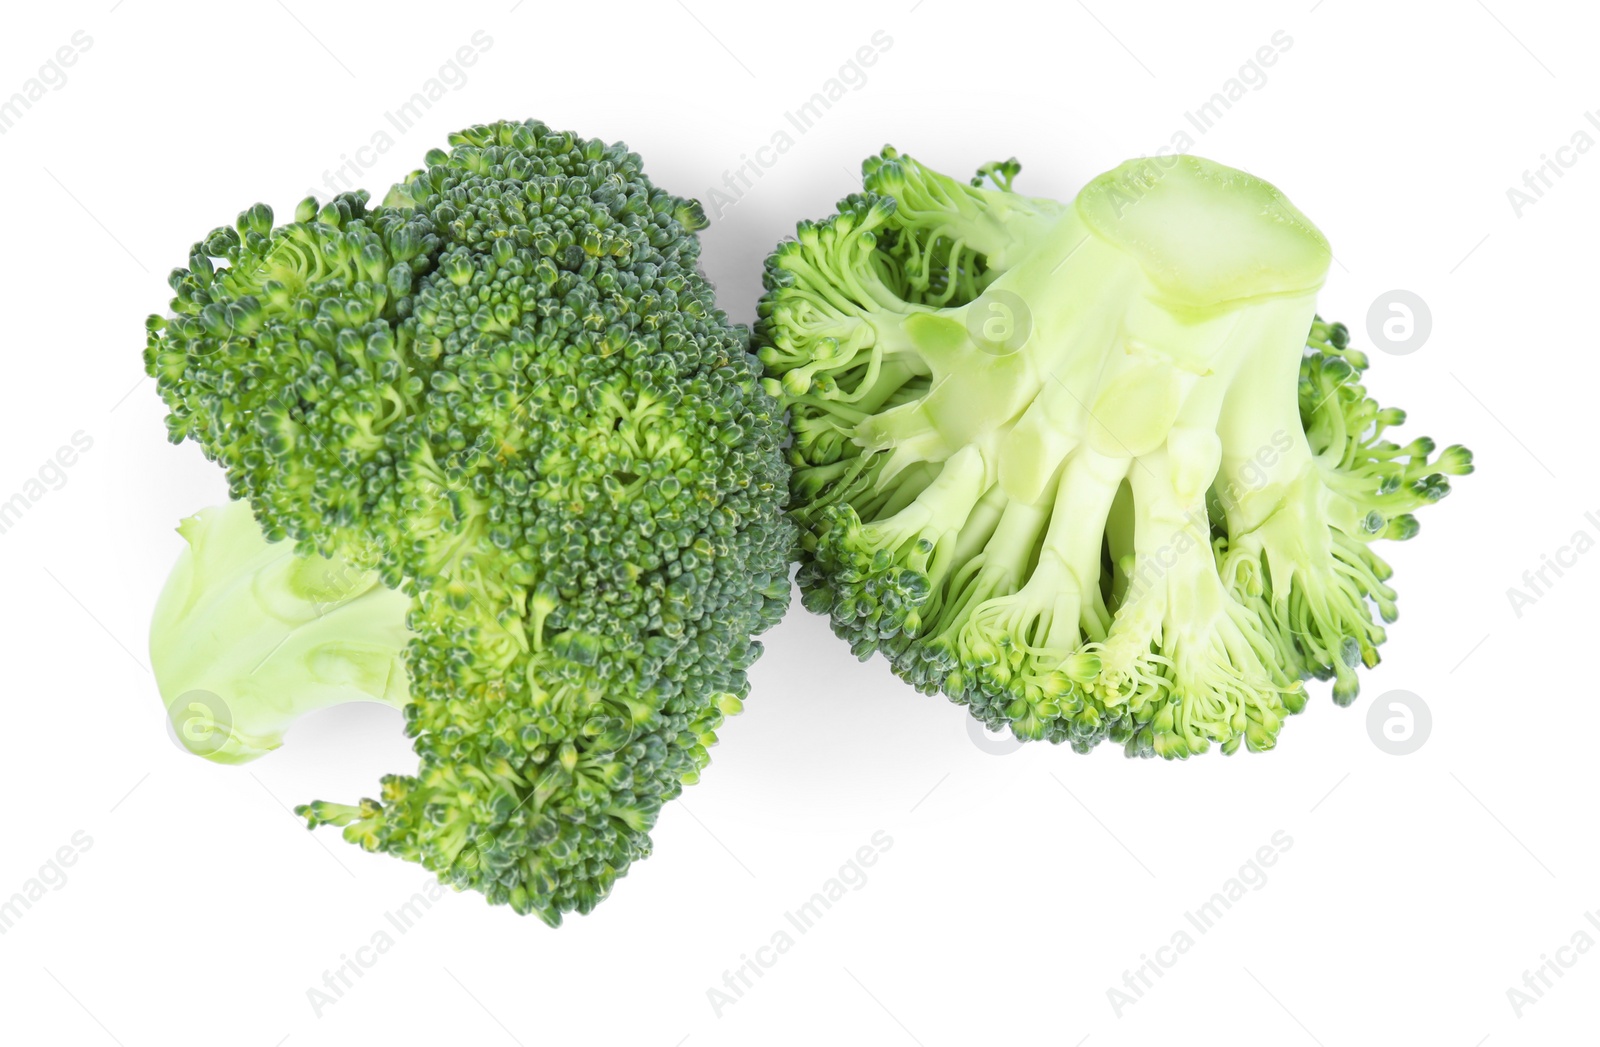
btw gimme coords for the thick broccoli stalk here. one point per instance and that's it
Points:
(280, 635)
(509, 392)
(1080, 467)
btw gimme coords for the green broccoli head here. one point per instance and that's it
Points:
(507, 392)
(1095, 470)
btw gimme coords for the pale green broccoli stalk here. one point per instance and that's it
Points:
(279, 634)
(507, 391)
(1081, 467)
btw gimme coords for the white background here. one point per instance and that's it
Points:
(1019, 887)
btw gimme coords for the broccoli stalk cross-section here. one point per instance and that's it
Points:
(1096, 470)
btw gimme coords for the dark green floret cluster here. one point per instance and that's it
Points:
(507, 393)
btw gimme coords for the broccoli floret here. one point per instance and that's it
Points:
(507, 392)
(1080, 466)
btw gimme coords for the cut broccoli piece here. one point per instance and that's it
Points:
(509, 393)
(1095, 470)
(278, 634)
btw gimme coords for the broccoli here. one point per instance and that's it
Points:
(507, 395)
(278, 634)
(1094, 470)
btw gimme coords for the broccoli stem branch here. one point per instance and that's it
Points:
(247, 637)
